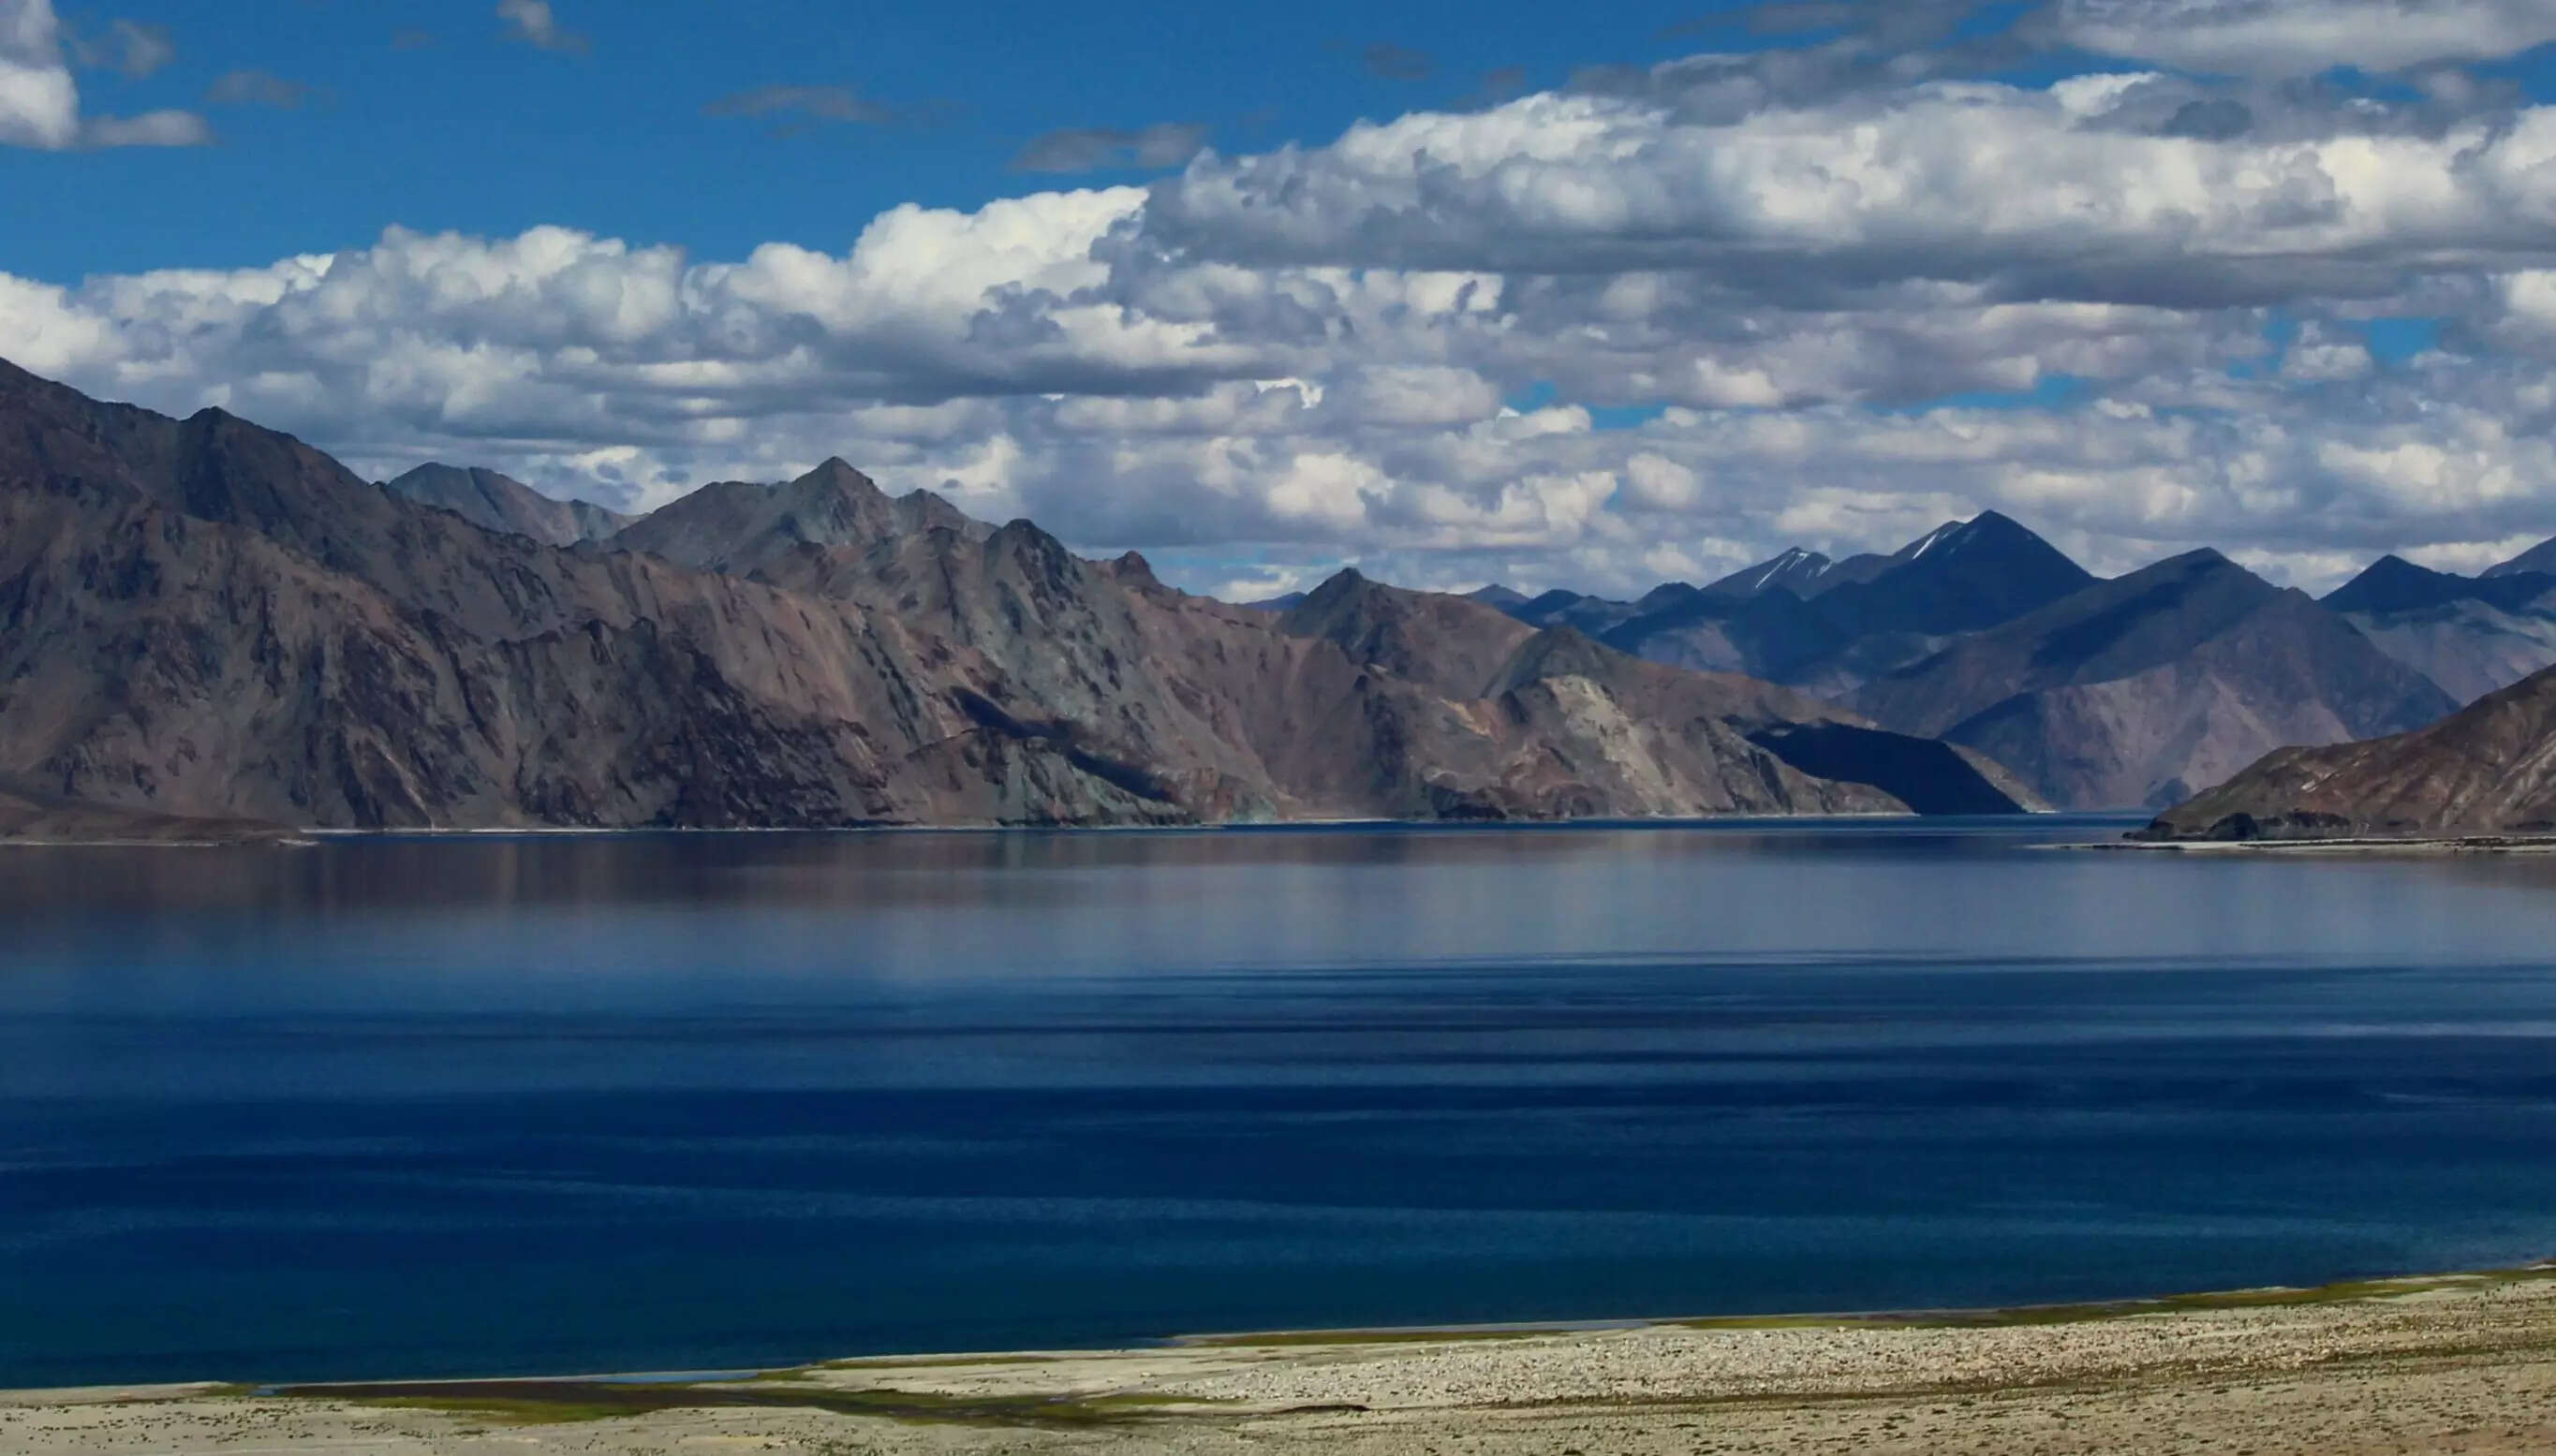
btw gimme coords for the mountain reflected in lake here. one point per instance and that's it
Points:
(414, 1107)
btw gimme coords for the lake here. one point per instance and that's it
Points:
(413, 1107)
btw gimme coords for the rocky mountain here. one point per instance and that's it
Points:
(2489, 769)
(1577, 610)
(1828, 626)
(494, 502)
(2470, 635)
(2135, 691)
(1584, 717)
(1802, 572)
(205, 620)
(742, 528)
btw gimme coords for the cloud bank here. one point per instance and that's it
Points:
(1649, 325)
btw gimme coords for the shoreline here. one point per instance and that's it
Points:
(2455, 1362)
(314, 838)
(1984, 1316)
(2442, 844)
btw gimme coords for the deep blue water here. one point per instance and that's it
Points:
(394, 1108)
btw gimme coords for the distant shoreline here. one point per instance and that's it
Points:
(311, 836)
(2422, 846)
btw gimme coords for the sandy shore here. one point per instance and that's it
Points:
(2460, 1364)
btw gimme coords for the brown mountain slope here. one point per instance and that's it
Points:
(1451, 644)
(495, 502)
(1654, 733)
(2489, 769)
(734, 526)
(202, 617)
(1363, 700)
(2134, 689)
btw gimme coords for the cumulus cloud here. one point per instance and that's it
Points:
(40, 104)
(1094, 148)
(1589, 337)
(2022, 192)
(532, 22)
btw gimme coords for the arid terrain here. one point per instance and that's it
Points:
(2459, 1364)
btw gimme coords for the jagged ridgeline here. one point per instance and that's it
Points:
(205, 620)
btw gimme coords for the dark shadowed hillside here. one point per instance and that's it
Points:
(1828, 626)
(2470, 635)
(2135, 690)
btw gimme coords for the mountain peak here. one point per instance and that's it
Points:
(1961, 577)
(1987, 528)
(838, 473)
(2391, 584)
(1795, 569)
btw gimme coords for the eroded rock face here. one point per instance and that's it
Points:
(2489, 769)
(205, 619)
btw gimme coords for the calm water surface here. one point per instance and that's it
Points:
(405, 1106)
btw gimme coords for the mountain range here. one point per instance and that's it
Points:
(2138, 690)
(2471, 634)
(207, 620)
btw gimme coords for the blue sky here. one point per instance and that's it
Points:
(1592, 298)
(425, 113)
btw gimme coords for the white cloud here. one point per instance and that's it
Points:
(2015, 193)
(39, 105)
(2292, 38)
(533, 23)
(1309, 355)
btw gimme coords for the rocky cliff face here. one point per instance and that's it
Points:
(2489, 769)
(207, 620)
